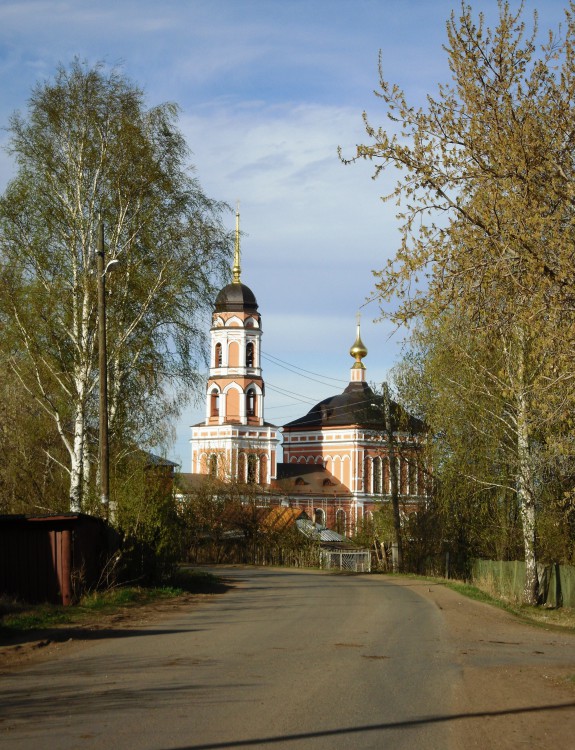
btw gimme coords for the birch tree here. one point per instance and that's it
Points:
(87, 147)
(486, 196)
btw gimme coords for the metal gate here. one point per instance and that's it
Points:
(357, 561)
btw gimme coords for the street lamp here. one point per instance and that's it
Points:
(102, 270)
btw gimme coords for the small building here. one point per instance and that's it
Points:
(52, 558)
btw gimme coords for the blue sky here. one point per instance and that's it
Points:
(268, 90)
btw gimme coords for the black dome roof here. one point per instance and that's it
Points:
(357, 405)
(236, 297)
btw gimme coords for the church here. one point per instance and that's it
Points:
(338, 459)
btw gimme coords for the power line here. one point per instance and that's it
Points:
(295, 369)
(297, 396)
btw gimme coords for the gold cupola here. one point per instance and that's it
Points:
(358, 351)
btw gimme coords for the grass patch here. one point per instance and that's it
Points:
(563, 617)
(472, 592)
(18, 616)
(27, 617)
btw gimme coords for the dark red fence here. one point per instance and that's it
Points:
(51, 558)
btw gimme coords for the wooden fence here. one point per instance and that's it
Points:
(507, 579)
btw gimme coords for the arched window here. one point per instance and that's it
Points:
(218, 355)
(319, 516)
(214, 404)
(250, 355)
(412, 476)
(252, 468)
(340, 521)
(402, 475)
(367, 476)
(263, 469)
(251, 403)
(386, 477)
(213, 465)
(377, 476)
(242, 467)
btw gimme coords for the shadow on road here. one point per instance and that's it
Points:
(392, 725)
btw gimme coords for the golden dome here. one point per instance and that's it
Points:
(358, 351)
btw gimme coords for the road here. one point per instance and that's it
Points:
(295, 659)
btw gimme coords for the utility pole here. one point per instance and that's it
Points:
(397, 549)
(103, 367)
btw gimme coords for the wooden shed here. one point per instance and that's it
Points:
(52, 558)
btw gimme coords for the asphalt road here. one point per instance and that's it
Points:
(286, 659)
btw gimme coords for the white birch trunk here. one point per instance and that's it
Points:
(526, 498)
(525, 491)
(77, 462)
(82, 375)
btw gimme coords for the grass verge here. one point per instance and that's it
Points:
(16, 616)
(562, 617)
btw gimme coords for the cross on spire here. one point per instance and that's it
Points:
(236, 271)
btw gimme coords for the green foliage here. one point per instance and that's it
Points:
(146, 515)
(19, 617)
(485, 264)
(88, 146)
(32, 479)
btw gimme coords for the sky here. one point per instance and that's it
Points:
(268, 90)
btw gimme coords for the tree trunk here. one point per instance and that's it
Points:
(77, 462)
(525, 492)
(526, 500)
(397, 550)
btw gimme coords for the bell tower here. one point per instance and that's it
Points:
(234, 442)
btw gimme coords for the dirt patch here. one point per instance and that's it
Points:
(517, 686)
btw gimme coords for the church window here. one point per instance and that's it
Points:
(367, 475)
(252, 468)
(412, 477)
(213, 465)
(263, 469)
(386, 477)
(218, 355)
(340, 521)
(251, 402)
(250, 355)
(319, 516)
(377, 476)
(402, 475)
(242, 467)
